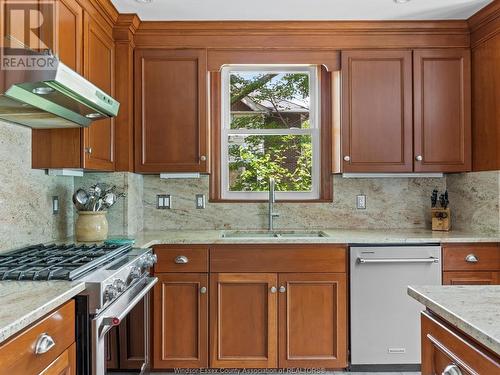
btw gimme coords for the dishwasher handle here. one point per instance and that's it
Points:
(397, 260)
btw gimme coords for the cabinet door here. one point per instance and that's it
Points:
(312, 320)
(180, 321)
(98, 68)
(243, 320)
(61, 148)
(131, 339)
(65, 364)
(377, 111)
(471, 278)
(170, 105)
(111, 351)
(442, 114)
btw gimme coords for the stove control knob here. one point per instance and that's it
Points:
(110, 293)
(120, 285)
(135, 273)
(150, 260)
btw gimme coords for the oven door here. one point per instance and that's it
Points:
(112, 316)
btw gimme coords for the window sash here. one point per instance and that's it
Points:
(313, 131)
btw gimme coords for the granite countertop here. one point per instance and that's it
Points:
(342, 236)
(473, 309)
(24, 302)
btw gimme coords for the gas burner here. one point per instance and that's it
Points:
(57, 261)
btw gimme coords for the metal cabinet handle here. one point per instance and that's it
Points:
(282, 289)
(203, 158)
(471, 258)
(397, 260)
(88, 150)
(452, 370)
(347, 158)
(419, 158)
(203, 290)
(44, 343)
(273, 289)
(181, 259)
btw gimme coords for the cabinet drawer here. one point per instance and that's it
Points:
(17, 356)
(443, 347)
(471, 257)
(178, 258)
(471, 278)
(278, 258)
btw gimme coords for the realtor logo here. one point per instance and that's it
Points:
(27, 31)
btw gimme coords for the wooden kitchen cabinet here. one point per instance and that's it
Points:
(65, 364)
(377, 130)
(312, 316)
(85, 44)
(444, 347)
(243, 320)
(442, 110)
(471, 278)
(171, 129)
(180, 321)
(131, 339)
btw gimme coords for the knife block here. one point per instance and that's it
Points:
(441, 219)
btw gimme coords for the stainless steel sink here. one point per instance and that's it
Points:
(273, 234)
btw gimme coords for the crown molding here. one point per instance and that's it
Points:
(485, 24)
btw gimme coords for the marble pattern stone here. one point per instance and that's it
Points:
(26, 194)
(400, 203)
(475, 200)
(24, 302)
(473, 309)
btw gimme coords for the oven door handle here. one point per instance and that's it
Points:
(118, 310)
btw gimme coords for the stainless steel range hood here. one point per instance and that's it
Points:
(52, 98)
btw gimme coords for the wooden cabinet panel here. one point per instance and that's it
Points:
(99, 69)
(312, 320)
(171, 131)
(65, 364)
(456, 257)
(442, 114)
(111, 350)
(243, 320)
(471, 278)
(442, 346)
(195, 256)
(180, 321)
(17, 355)
(131, 339)
(377, 111)
(278, 258)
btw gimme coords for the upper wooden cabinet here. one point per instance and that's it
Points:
(85, 45)
(442, 115)
(377, 111)
(98, 68)
(171, 130)
(393, 123)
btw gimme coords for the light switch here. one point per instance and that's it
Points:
(200, 201)
(163, 201)
(55, 205)
(361, 202)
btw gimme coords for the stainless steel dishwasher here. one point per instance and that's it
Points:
(385, 321)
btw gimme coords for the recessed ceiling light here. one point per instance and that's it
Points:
(401, 1)
(144, 1)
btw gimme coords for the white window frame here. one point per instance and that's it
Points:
(314, 131)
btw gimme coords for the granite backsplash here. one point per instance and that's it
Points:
(26, 194)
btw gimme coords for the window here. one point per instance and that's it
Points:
(270, 128)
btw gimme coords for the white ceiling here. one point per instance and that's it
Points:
(177, 10)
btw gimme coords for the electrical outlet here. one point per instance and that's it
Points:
(55, 205)
(200, 201)
(361, 202)
(163, 201)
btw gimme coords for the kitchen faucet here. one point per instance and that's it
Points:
(272, 199)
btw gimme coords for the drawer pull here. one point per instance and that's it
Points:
(181, 259)
(471, 258)
(203, 289)
(44, 344)
(452, 370)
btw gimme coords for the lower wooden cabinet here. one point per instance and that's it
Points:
(444, 347)
(312, 320)
(471, 278)
(180, 321)
(243, 320)
(65, 364)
